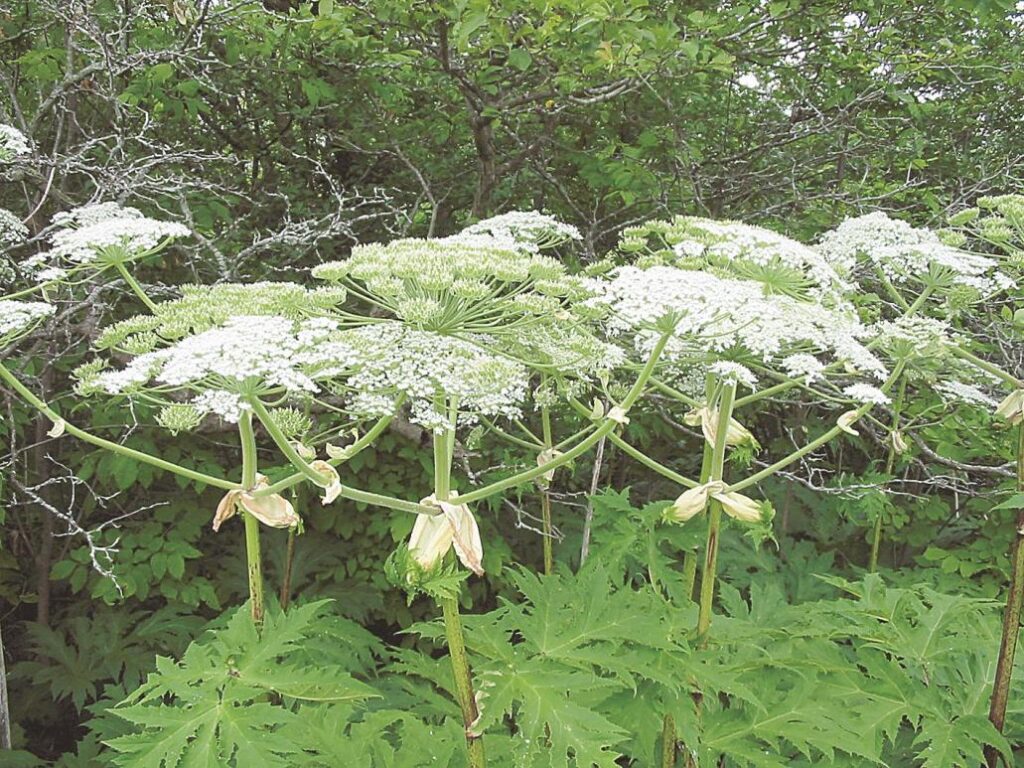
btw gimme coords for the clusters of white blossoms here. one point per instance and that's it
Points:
(392, 360)
(13, 143)
(962, 392)
(526, 230)
(12, 231)
(864, 244)
(371, 367)
(455, 287)
(103, 233)
(202, 307)
(735, 249)
(714, 316)
(17, 316)
(246, 356)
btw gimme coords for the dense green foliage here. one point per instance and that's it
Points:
(284, 135)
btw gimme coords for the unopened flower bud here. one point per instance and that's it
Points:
(273, 510)
(544, 458)
(303, 450)
(707, 418)
(692, 502)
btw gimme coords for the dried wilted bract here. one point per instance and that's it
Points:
(695, 501)
(433, 535)
(273, 510)
(1011, 409)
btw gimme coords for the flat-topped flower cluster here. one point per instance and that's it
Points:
(519, 230)
(13, 143)
(732, 248)
(716, 316)
(18, 316)
(12, 231)
(452, 286)
(866, 245)
(105, 233)
(372, 367)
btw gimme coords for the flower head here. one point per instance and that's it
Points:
(527, 230)
(13, 143)
(105, 233)
(17, 317)
(875, 242)
(732, 248)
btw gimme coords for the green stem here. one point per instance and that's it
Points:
(253, 557)
(452, 620)
(359, 445)
(890, 462)
(650, 463)
(285, 445)
(668, 742)
(1011, 617)
(986, 366)
(831, 434)
(136, 288)
(584, 445)
(109, 445)
(707, 580)
(545, 499)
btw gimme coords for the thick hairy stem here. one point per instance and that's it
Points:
(707, 579)
(668, 742)
(443, 448)
(545, 500)
(289, 563)
(588, 517)
(890, 462)
(1011, 616)
(253, 557)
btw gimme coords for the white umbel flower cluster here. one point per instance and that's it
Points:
(735, 249)
(13, 143)
(393, 360)
(714, 315)
(865, 393)
(959, 391)
(905, 253)
(371, 366)
(107, 232)
(527, 230)
(454, 287)
(17, 316)
(248, 355)
(12, 231)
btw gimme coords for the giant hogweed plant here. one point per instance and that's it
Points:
(455, 334)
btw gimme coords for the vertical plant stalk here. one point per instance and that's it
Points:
(1011, 617)
(707, 579)
(890, 462)
(289, 563)
(253, 558)
(588, 518)
(690, 558)
(5, 705)
(444, 445)
(545, 499)
(668, 742)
